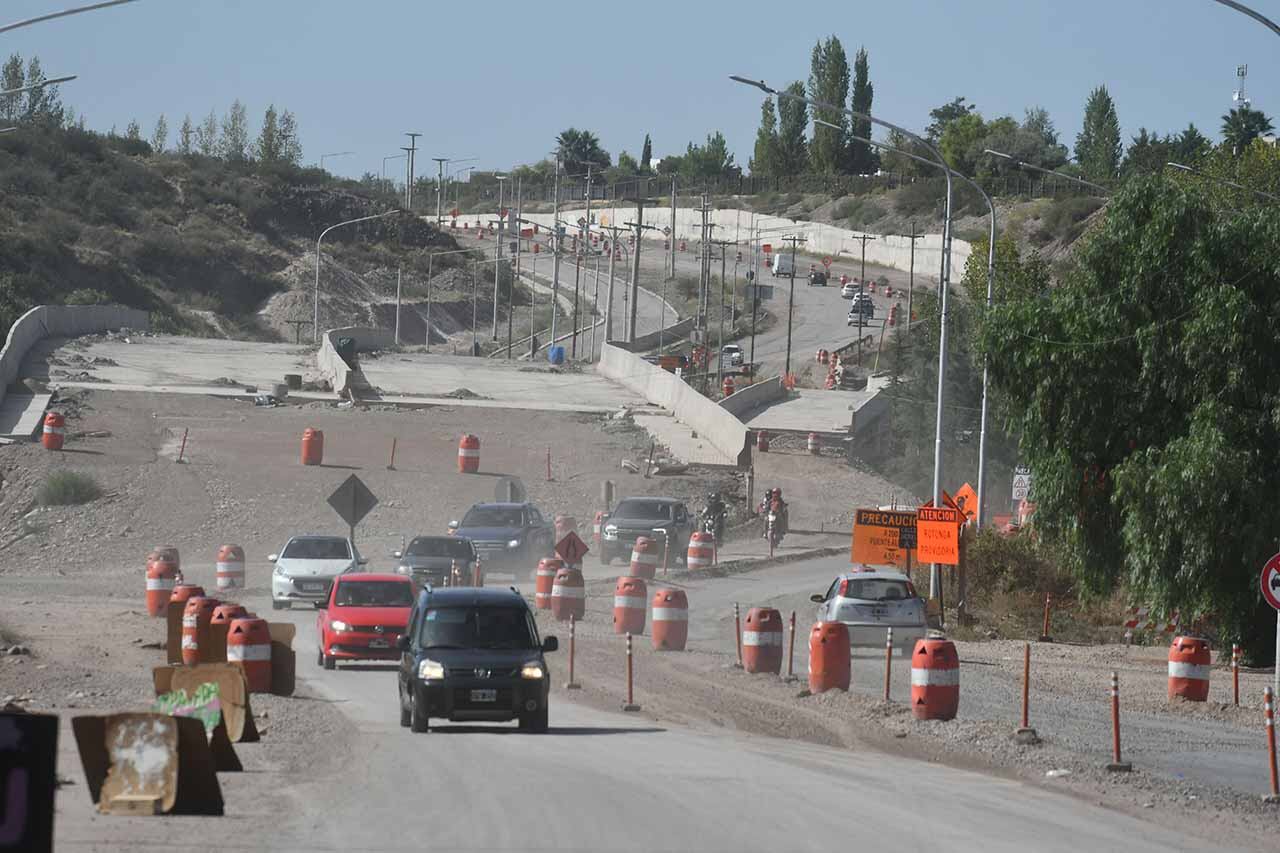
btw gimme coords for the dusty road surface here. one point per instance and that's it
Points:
(716, 760)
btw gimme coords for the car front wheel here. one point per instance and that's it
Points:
(330, 662)
(419, 722)
(405, 714)
(535, 723)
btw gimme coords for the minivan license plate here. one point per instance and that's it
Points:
(484, 695)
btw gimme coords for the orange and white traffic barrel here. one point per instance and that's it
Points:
(568, 595)
(644, 558)
(543, 581)
(249, 647)
(1189, 664)
(829, 658)
(702, 551)
(468, 454)
(170, 553)
(762, 640)
(935, 679)
(670, 620)
(162, 575)
(312, 446)
(219, 623)
(815, 444)
(55, 431)
(195, 627)
(230, 567)
(727, 386)
(630, 596)
(227, 612)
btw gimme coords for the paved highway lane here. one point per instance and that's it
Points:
(612, 781)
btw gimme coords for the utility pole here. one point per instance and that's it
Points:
(555, 253)
(511, 291)
(608, 307)
(635, 269)
(671, 244)
(864, 238)
(584, 229)
(475, 291)
(595, 306)
(440, 161)
(412, 158)
(791, 300)
(724, 248)
(399, 274)
(427, 338)
(497, 256)
(911, 280)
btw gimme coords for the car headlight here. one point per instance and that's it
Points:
(611, 531)
(514, 543)
(339, 625)
(532, 671)
(279, 570)
(430, 670)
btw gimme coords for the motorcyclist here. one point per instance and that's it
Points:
(773, 502)
(713, 514)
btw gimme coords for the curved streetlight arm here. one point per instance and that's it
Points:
(315, 320)
(1257, 16)
(1218, 180)
(1022, 164)
(64, 13)
(43, 83)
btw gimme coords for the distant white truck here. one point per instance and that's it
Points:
(782, 265)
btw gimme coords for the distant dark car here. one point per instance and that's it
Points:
(507, 536)
(428, 559)
(642, 516)
(473, 654)
(818, 278)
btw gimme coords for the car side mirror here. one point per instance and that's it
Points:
(271, 558)
(453, 525)
(817, 598)
(363, 561)
(550, 644)
(397, 554)
(322, 605)
(402, 642)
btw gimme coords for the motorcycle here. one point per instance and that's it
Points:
(773, 530)
(712, 521)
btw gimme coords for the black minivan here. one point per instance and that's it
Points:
(473, 654)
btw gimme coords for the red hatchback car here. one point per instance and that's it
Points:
(363, 617)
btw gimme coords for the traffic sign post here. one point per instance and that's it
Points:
(1021, 483)
(1271, 592)
(352, 501)
(572, 549)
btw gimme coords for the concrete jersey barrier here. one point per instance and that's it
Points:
(753, 397)
(61, 321)
(718, 426)
(330, 364)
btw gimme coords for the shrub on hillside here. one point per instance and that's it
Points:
(67, 488)
(1064, 220)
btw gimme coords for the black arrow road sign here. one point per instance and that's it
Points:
(352, 501)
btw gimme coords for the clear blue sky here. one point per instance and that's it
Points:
(497, 80)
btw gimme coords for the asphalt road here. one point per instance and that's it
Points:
(608, 781)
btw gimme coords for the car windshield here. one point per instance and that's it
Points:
(493, 516)
(440, 546)
(878, 589)
(373, 594)
(645, 510)
(473, 627)
(317, 549)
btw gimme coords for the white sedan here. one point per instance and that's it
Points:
(850, 290)
(870, 601)
(306, 566)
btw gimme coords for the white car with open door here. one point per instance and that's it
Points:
(870, 601)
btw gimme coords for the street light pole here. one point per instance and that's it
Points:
(315, 322)
(944, 285)
(334, 154)
(64, 13)
(1218, 180)
(1257, 16)
(1024, 165)
(497, 255)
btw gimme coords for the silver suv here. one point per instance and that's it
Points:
(870, 601)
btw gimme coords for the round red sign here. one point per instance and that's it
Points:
(826, 262)
(1271, 581)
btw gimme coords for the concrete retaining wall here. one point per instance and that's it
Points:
(722, 429)
(674, 332)
(331, 365)
(820, 239)
(753, 397)
(61, 321)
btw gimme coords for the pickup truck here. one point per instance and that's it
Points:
(507, 536)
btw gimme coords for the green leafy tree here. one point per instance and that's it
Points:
(764, 158)
(1036, 120)
(1098, 144)
(793, 118)
(290, 144)
(12, 76)
(207, 135)
(1147, 153)
(1243, 125)
(267, 148)
(829, 83)
(900, 164)
(1143, 389)
(959, 140)
(944, 115)
(133, 130)
(186, 137)
(646, 155)
(1035, 141)
(580, 148)
(708, 161)
(1191, 146)
(160, 135)
(233, 139)
(863, 159)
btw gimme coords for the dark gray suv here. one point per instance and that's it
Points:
(646, 516)
(428, 559)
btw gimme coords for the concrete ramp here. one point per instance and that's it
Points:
(814, 410)
(21, 414)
